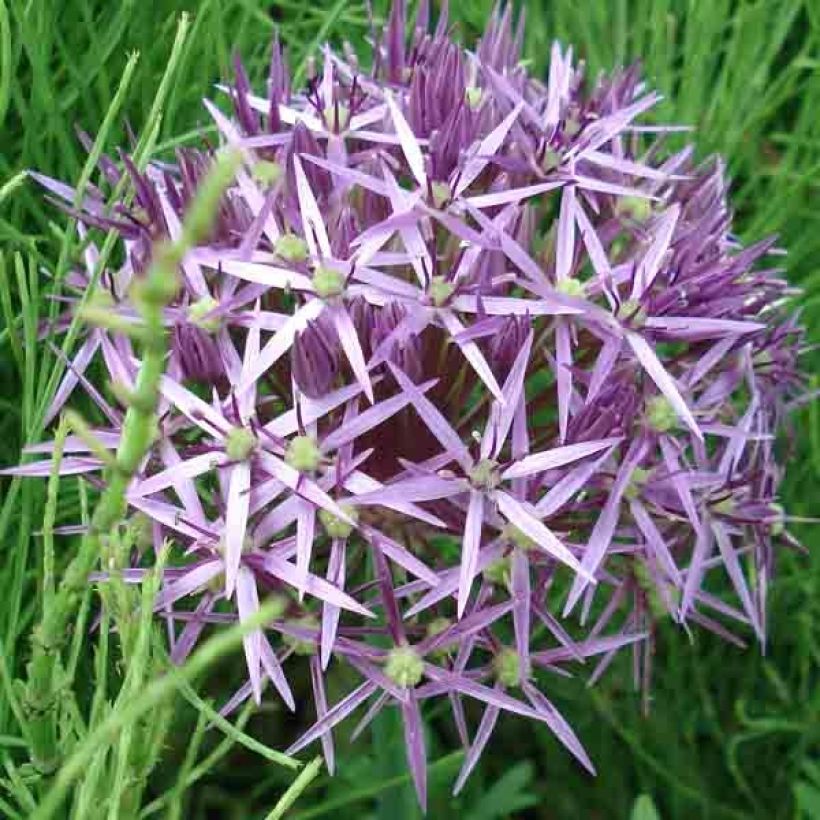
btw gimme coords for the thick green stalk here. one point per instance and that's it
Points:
(150, 296)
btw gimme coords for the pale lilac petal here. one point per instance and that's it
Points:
(261, 274)
(513, 391)
(520, 592)
(565, 239)
(472, 353)
(601, 535)
(199, 412)
(482, 736)
(320, 701)
(470, 548)
(664, 382)
(236, 521)
(312, 222)
(351, 175)
(180, 472)
(518, 515)
(273, 669)
(556, 722)
(312, 410)
(557, 457)
(314, 585)
(192, 581)
(247, 605)
(78, 365)
(626, 166)
(305, 531)
(335, 715)
(695, 327)
(485, 150)
(654, 540)
(42, 469)
(359, 483)
(694, 573)
(433, 419)
(303, 486)
(650, 264)
(282, 340)
(509, 195)
(398, 554)
(422, 488)
(735, 571)
(353, 349)
(409, 144)
(330, 612)
(414, 745)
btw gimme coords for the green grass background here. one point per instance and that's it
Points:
(731, 734)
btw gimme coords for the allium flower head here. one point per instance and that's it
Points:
(466, 354)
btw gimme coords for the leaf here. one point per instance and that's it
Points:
(644, 809)
(511, 792)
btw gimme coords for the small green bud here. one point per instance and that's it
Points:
(660, 415)
(473, 95)
(437, 626)
(637, 208)
(204, 207)
(240, 443)
(552, 160)
(199, 314)
(328, 283)
(266, 172)
(519, 538)
(485, 475)
(778, 523)
(498, 572)
(440, 291)
(507, 667)
(632, 311)
(303, 454)
(654, 600)
(337, 116)
(572, 126)
(637, 482)
(441, 193)
(142, 531)
(726, 506)
(291, 248)
(404, 666)
(571, 287)
(337, 527)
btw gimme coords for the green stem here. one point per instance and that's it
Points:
(150, 295)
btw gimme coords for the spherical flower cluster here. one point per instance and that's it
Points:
(466, 353)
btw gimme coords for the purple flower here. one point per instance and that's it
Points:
(461, 342)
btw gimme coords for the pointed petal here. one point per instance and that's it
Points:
(335, 715)
(247, 604)
(352, 347)
(557, 457)
(414, 745)
(312, 222)
(409, 143)
(664, 382)
(236, 521)
(486, 149)
(518, 515)
(470, 548)
(433, 419)
(181, 471)
(314, 585)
